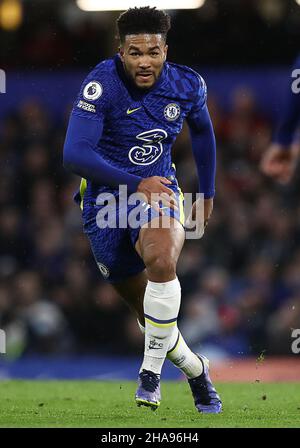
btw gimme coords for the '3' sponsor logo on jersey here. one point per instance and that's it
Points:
(151, 147)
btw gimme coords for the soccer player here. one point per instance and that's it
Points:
(128, 113)
(280, 160)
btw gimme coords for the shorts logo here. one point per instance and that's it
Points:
(103, 269)
(172, 112)
(92, 91)
(151, 148)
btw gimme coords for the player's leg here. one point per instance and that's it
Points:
(132, 290)
(194, 367)
(159, 248)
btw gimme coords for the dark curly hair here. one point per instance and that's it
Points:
(143, 20)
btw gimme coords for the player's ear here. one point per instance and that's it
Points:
(121, 53)
(165, 52)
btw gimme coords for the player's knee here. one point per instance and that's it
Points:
(162, 264)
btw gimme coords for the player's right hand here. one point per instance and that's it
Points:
(280, 163)
(155, 190)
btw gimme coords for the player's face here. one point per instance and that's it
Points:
(143, 56)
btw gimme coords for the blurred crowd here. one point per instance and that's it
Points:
(240, 283)
(234, 32)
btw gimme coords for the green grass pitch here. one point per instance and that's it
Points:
(111, 404)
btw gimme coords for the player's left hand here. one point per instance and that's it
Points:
(196, 214)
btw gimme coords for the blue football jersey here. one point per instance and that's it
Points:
(139, 127)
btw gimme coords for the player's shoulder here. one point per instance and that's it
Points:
(188, 74)
(103, 73)
(100, 82)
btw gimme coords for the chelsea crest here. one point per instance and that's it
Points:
(172, 112)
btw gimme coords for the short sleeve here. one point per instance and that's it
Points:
(93, 99)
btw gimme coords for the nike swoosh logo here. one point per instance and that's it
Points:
(130, 111)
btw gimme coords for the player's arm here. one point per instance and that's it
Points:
(204, 151)
(281, 157)
(80, 157)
